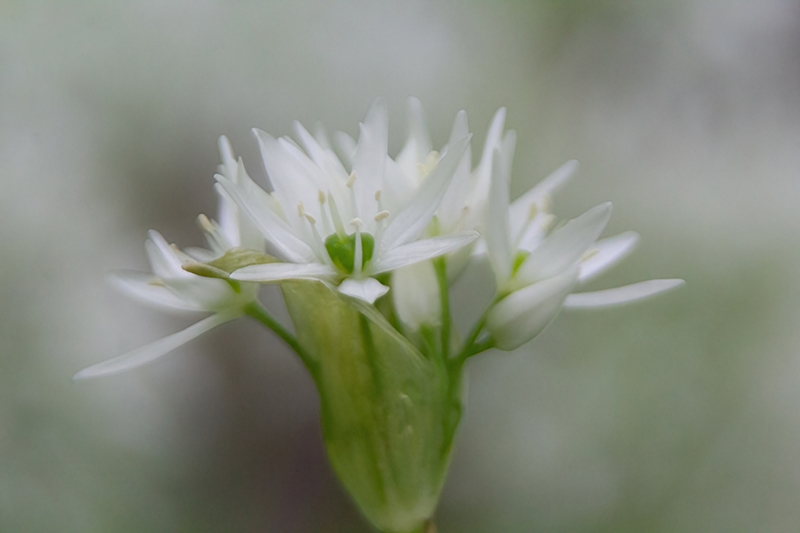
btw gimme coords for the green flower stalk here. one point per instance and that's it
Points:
(366, 248)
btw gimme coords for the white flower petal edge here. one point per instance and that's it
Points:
(143, 288)
(621, 295)
(566, 245)
(367, 289)
(150, 352)
(422, 250)
(272, 272)
(523, 314)
(606, 253)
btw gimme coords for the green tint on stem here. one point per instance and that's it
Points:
(385, 408)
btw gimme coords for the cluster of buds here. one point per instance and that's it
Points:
(365, 248)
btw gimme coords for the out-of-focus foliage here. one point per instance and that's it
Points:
(679, 414)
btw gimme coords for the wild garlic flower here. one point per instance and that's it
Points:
(462, 208)
(172, 287)
(344, 226)
(341, 230)
(537, 271)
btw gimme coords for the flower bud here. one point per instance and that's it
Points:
(524, 313)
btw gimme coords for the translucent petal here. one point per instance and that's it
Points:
(163, 259)
(418, 145)
(256, 203)
(520, 208)
(347, 147)
(421, 250)
(523, 314)
(151, 352)
(484, 169)
(621, 295)
(408, 224)
(146, 289)
(370, 157)
(497, 231)
(565, 245)
(367, 289)
(455, 199)
(606, 253)
(416, 295)
(272, 272)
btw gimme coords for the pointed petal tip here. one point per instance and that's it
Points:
(622, 295)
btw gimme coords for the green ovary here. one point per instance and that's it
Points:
(342, 250)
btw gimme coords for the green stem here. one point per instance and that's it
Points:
(440, 265)
(257, 311)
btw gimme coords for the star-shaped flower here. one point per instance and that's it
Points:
(344, 226)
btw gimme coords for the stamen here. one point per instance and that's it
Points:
(381, 215)
(359, 255)
(157, 282)
(205, 224)
(533, 211)
(300, 209)
(337, 220)
(378, 195)
(310, 219)
(321, 197)
(351, 180)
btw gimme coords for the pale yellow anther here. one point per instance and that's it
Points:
(533, 211)
(205, 224)
(321, 197)
(175, 248)
(351, 180)
(378, 195)
(546, 204)
(589, 254)
(357, 222)
(381, 215)
(311, 219)
(157, 282)
(548, 222)
(301, 210)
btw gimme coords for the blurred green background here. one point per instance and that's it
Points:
(680, 414)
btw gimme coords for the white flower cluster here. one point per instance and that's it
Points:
(363, 222)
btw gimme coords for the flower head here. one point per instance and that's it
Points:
(174, 288)
(538, 269)
(344, 227)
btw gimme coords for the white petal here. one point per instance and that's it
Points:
(370, 157)
(255, 202)
(418, 145)
(421, 250)
(522, 205)
(151, 352)
(347, 147)
(163, 259)
(271, 272)
(293, 175)
(455, 199)
(498, 240)
(606, 253)
(621, 295)
(367, 289)
(321, 155)
(228, 166)
(523, 314)
(415, 293)
(484, 170)
(141, 287)
(409, 223)
(566, 245)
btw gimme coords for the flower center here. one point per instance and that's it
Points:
(342, 250)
